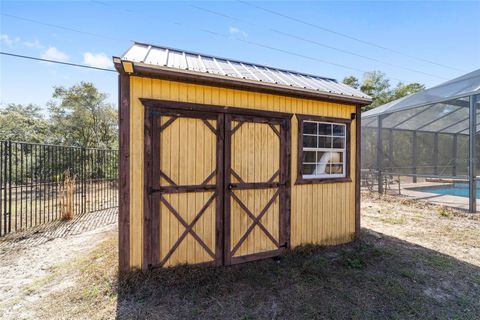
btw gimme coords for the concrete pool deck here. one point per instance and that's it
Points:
(413, 191)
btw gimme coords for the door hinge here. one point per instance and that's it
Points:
(153, 190)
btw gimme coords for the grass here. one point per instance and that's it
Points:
(411, 262)
(29, 212)
(439, 228)
(39, 283)
(394, 220)
(378, 277)
(444, 211)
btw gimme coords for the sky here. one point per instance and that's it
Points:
(426, 42)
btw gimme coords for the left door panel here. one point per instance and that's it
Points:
(184, 191)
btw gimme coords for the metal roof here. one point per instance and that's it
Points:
(182, 61)
(442, 109)
(465, 85)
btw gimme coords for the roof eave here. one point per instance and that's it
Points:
(161, 72)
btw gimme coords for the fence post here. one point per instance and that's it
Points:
(10, 186)
(2, 154)
(83, 180)
(379, 154)
(435, 153)
(414, 156)
(472, 158)
(454, 152)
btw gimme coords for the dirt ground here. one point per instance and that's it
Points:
(448, 231)
(413, 261)
(31, 262)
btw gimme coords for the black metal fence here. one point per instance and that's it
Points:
(39, 181)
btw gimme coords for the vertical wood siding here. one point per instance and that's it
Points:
(187, 153)
(254, 162)
(320, 213)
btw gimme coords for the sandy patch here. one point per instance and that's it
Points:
(452, 232)
(30, 266)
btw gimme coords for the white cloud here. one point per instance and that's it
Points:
(5, 39)
(53, 53)
(11, 42)
(98, 60)
(237, 31)
(33, 44)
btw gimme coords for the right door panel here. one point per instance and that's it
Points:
(256, 185)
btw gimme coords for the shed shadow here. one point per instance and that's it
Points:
(57, 229)
(376, 277)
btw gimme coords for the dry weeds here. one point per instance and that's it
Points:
(67, 195)
(378, 277)
(452, 232)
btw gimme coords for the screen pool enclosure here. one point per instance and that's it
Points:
(431, 134)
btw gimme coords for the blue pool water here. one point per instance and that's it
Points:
(455, 189)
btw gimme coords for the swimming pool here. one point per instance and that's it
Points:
(454, 189)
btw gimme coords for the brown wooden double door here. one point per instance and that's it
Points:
(217, 187)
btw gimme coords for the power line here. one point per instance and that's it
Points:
(357, 55)
(216, 13)
(62, 27)
(55, 61)
(211, 32)
(344, 35)
(286, 51)
(292, 53)
(296, 54)
(290, 35)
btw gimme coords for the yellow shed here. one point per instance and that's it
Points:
(224, 161)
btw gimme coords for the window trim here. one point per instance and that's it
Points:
(347, 122)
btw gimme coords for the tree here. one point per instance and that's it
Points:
(376, 85)
(81, 116)
(23, 123)
(402, 90)
(352, 82)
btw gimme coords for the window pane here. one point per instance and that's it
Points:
(336, 168)
(319, 141)
(308, 168)
(324, 129)
(338, 130)
(323, 157)
(321, 169)
(324, 142)
(339, 143)
(309, 128)
(309, 141)
(327, 169)
(337, 157)
(309, 156)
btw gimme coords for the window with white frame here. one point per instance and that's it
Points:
(324, 150)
